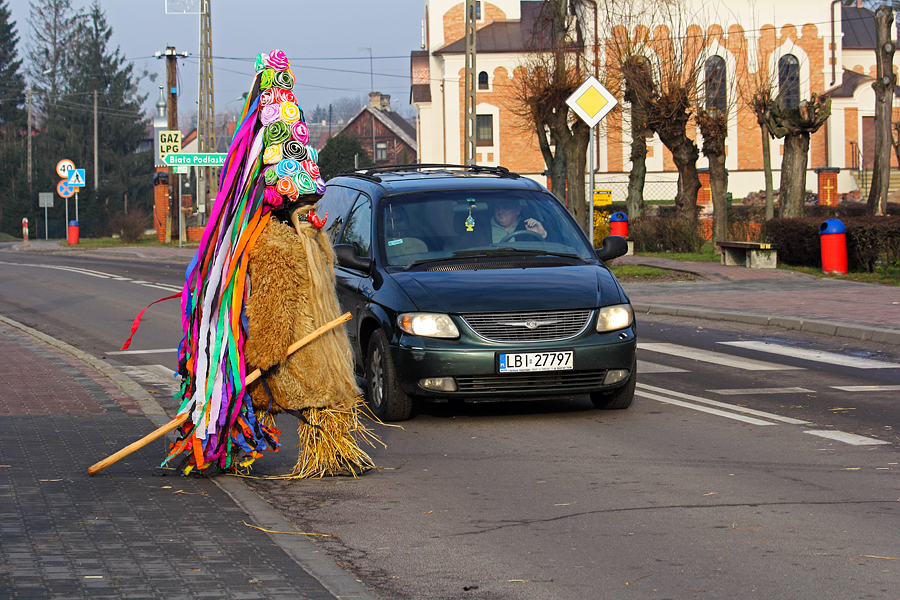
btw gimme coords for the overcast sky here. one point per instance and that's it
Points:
(326, 41)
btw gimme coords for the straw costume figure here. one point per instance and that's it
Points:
(262, 278)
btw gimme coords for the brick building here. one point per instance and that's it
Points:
(389, 138)
(791, 43)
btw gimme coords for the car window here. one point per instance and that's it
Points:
(336, 202)
(358, 231)
(441, 224)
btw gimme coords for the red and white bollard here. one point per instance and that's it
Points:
(25, 230)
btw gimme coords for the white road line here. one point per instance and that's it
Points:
(712, 411)
(157, 351)
(758, 391)
(644, 367)
(168, 288)
(740, 409)
(864, 388)
(747, 364)
(831, 358)
(848, 438)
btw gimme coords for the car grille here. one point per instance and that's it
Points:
(529, 327)
(517, 383)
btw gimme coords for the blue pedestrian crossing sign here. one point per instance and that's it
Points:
(75, 178)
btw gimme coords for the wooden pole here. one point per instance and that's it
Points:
(180, 419)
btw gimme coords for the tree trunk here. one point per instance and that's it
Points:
(767, 170)
(637, 176)
(793, 174)
(556, 165)
(718, 188)
(576, 163)
(883, 87)
(685, 155)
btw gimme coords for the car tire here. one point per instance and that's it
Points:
(385, 397)
(619, 398)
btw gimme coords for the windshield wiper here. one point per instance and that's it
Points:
(507, 251)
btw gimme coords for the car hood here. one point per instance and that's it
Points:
(501, 290)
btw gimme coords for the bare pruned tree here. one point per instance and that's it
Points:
(550, 72)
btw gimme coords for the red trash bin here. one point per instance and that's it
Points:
(73, 232)
(833, 236)
(618, 224)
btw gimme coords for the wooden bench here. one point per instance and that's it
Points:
(753, 255)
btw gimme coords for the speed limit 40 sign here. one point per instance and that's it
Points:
(63, 167)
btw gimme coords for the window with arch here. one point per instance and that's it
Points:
(483, 80)
(789, 80)
(715, 85)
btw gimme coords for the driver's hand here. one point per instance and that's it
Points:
(535, 226)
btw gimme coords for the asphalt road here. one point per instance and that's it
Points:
(716, 483)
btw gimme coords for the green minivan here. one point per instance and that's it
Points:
(473, 283)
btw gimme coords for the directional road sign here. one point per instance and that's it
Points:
(196, 160)
(76, 178)
(591, 101)
(64, 166)
(65, 190)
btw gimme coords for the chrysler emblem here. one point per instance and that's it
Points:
(531, 324)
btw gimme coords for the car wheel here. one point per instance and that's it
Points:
(619, 398)
(385, 397)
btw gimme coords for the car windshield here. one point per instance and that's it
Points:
(440, 225)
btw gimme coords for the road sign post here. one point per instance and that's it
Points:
(25, 230)
(45, 201)
(591, 101)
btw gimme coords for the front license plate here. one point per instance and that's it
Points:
(522, 362)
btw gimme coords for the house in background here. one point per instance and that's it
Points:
(388, 137)
(791, 41)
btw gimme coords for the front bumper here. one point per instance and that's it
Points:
(474, 367)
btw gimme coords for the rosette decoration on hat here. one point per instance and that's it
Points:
(269, 164)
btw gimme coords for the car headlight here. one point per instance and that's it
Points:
(618, 316)
(428, 325)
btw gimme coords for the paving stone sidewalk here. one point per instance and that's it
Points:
(132, 531)
(775, 297)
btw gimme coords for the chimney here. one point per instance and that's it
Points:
(375, 100)
(386, 102)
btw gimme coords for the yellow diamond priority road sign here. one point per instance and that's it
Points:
(591, 101)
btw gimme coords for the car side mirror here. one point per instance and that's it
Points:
(347, 257)
(614, 246)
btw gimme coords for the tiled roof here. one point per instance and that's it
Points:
(858, 25)
(502, 36)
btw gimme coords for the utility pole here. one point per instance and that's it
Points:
(29, 140)
(96, 169)
(471, 75)
(206, 117)
(172, 113)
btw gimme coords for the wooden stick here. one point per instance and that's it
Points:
(180, 419)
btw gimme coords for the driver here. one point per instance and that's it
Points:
(506, 221)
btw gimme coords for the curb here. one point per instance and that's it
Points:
(311, 559)
(858, 332)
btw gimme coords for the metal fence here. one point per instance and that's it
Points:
(653, 189)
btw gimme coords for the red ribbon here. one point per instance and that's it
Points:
(137, 319)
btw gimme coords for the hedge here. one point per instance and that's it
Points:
(870, 241)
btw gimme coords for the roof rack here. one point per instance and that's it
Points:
(370, 172)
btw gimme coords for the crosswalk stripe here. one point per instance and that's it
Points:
(712, 411)
(831, 358)
(155, 351)
(740, 409)
(718, 358)
(644, 367)
(847, 438)
(864, 388)
(758, 391)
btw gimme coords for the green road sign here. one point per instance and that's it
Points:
(196, 160)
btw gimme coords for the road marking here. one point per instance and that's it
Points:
(848, 438)
(157, 375)
(865, 388)
(157, 351)
(712, 411)
(831, 358)
(168, 288)
(747, 364)
(740, 409)
(758, 391)
(644, 367)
